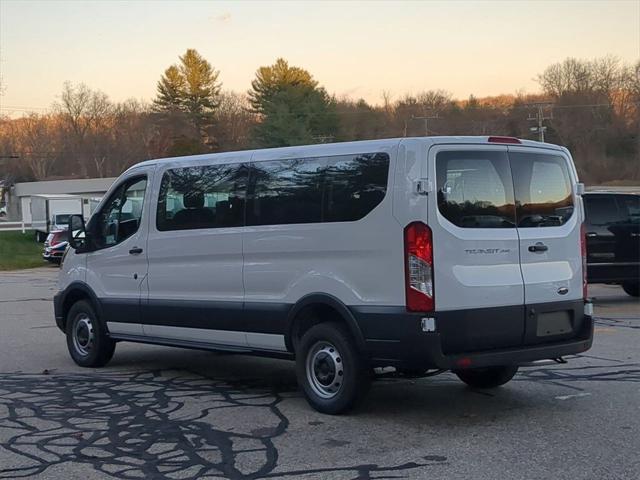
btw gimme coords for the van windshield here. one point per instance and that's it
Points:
(493, 189)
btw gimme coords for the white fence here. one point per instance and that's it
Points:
(14, 227)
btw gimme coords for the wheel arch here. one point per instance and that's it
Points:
(321, 302)
(75, 292)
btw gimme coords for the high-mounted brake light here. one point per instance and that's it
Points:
(583, 253)
(418, 253)
(504, 140)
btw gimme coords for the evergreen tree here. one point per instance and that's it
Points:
(190, 88)
(171, 88)
(201, 90)
(271, 79)
(293, 109)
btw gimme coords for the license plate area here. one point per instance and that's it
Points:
(551, 324)
(553, 321)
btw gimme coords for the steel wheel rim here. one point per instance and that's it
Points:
(83, 335)
(325, 370)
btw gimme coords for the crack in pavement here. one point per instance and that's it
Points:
(160, 424)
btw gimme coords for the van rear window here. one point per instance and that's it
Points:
(475, 189)
(542, 188)
(496, 189)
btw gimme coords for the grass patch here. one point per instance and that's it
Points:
(20, 250)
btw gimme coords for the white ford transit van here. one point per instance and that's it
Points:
(446, 253)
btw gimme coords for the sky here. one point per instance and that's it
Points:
(354, 49)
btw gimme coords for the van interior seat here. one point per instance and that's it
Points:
(194, 214)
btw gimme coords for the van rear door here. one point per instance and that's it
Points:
(478, 286)
(548, 219)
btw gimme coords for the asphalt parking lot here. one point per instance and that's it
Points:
(166, 413)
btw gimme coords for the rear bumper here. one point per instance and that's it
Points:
(428, 353)
(407, 346)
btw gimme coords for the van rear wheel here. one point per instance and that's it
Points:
(489, 377)
(87, 339)
(331, 372)
(632, 288)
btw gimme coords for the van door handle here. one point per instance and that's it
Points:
(135, 251)
(538, 247)
(591, 234)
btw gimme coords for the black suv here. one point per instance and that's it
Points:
(613, 239)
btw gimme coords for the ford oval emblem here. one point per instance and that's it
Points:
(563, 291)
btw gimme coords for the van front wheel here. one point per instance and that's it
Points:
(87, 339)
(330, 371)
(489, 377)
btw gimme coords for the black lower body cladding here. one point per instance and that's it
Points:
(475, 338)
(391, 336)
(57, 310)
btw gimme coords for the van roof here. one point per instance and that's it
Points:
(347, 147)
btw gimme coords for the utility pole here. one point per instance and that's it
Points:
(426, 122)
(540, 118)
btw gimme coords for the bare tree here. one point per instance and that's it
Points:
(37, 144)
(233, 121)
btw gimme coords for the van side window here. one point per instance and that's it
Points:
(120, 216)
(354, 185)
(312, 190)
(286, 191)
(475, 189)
(210, 196)
(542, 188)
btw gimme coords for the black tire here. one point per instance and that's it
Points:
(89, 344)
(332, 347)
(489, 377)
(632, 288)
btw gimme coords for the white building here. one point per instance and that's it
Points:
(19, 196)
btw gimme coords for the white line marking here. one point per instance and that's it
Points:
(567, 397)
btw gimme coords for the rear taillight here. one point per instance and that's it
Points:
(583, 253)
(418, 253)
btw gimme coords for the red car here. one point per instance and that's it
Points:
(55, 245)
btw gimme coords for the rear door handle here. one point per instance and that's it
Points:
(591, 234)
(538, 247)
(135, 251)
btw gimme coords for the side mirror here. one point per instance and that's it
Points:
(77, 233)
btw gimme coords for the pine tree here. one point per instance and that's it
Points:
(273, 78)
(294, 110)
(171, 88)
(190, 88)
(201, 91)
